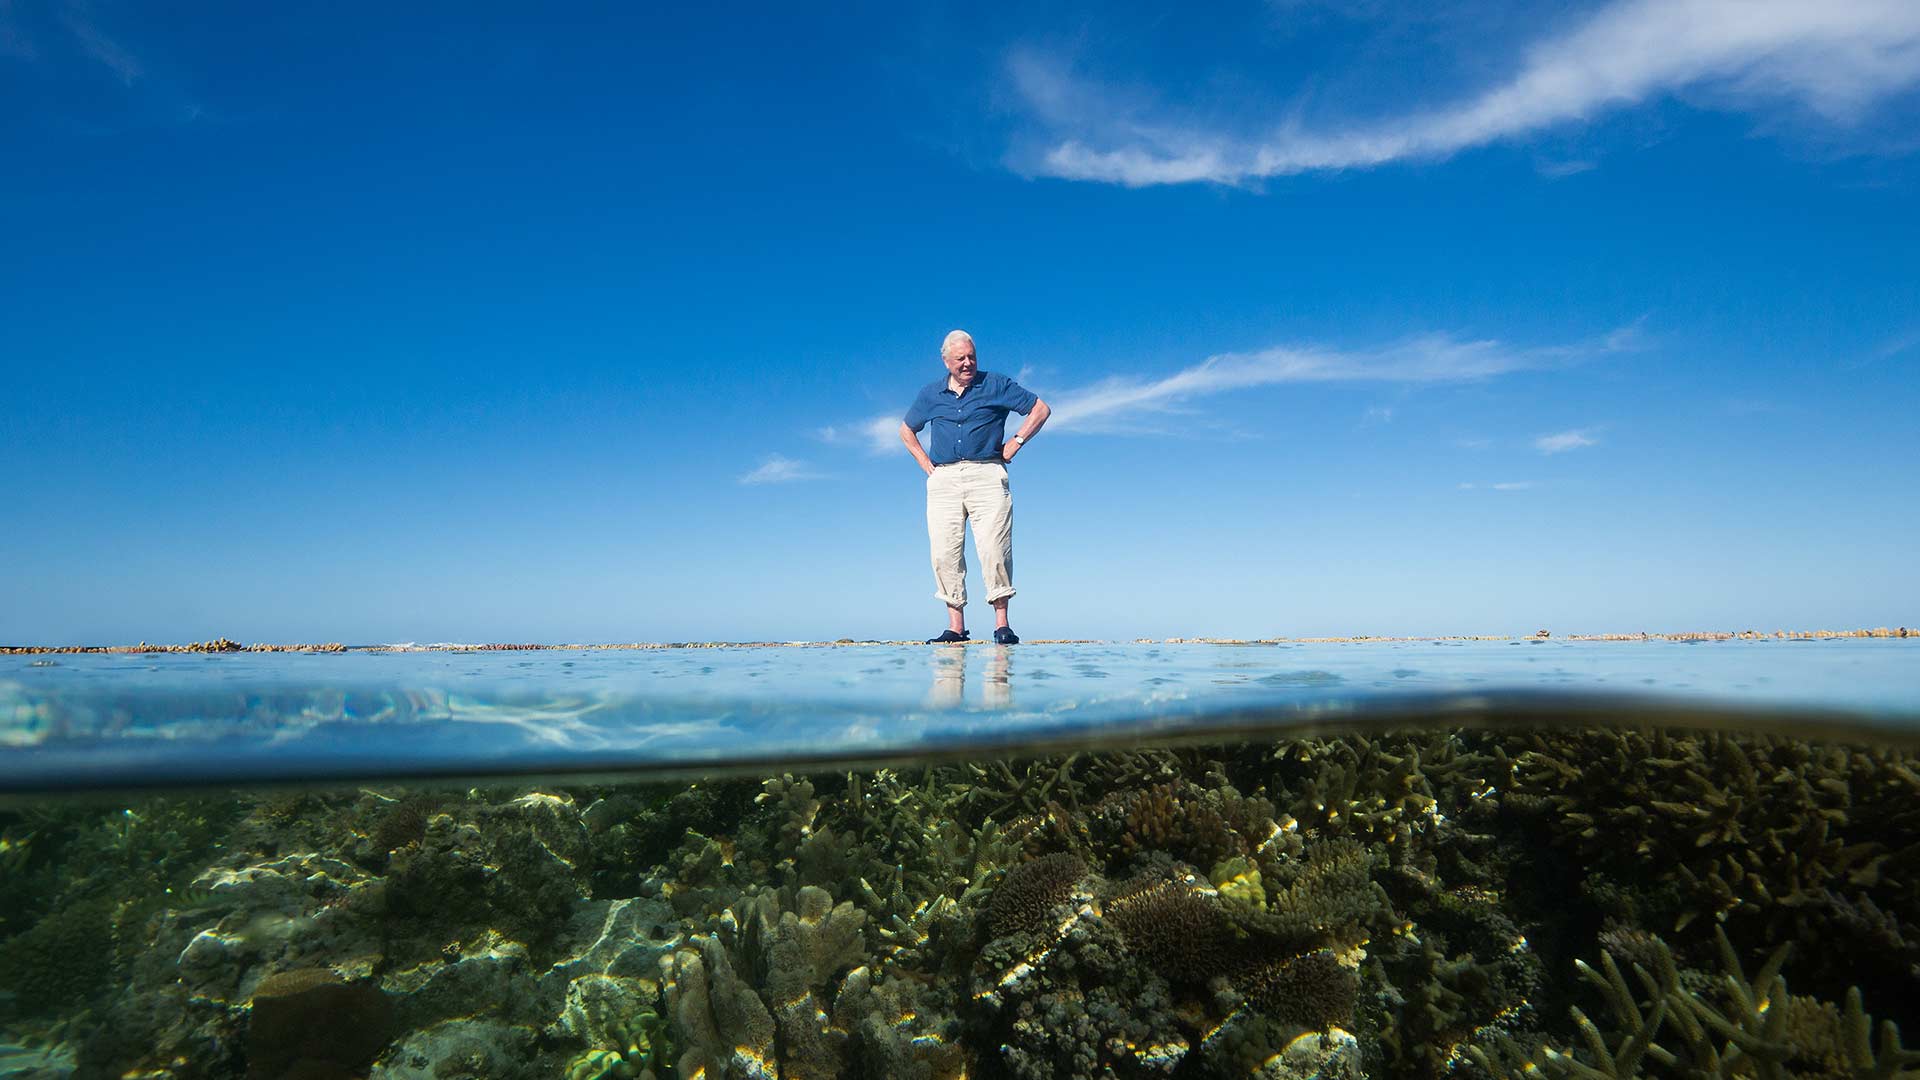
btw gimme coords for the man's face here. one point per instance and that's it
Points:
(961, 363)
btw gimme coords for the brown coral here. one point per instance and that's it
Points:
(1174, 926)
(1030, 890)
(404, 825)
(1192, 824)
(1313, 991)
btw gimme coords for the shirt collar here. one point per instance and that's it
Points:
(946, 384)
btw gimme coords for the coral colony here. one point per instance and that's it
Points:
(1585, 904)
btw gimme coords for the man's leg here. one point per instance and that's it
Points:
(947, 534)
(990, 504)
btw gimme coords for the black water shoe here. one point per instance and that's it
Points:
(948, 637)
(1005, 636)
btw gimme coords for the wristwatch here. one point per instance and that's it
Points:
(1021, 439)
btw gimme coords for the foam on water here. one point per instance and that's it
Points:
(158, 719)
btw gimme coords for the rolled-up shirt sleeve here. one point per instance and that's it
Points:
(1015, 397)
(918, 413)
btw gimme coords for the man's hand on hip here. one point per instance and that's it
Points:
(1010, 449)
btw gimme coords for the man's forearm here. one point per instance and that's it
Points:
(919, 453)
(1036, 420)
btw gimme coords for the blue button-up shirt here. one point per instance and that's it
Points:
(970, 426)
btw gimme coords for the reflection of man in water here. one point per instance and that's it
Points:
(966, 467)
(949, 690)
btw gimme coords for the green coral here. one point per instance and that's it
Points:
(1239, 884)
(599, 1065)
(1326, 897)
(618, 1016)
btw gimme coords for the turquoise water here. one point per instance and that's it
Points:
(1381, 859)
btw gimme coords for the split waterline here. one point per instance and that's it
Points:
(1283, 860)
(168, 719)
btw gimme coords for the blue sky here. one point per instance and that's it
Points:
(483, 323)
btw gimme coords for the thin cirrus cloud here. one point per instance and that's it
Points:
(83, 32)
(1430, 358)
(1119, 403)
(778, 469)
(1834, 57)
(1562, 441)
(109, 53)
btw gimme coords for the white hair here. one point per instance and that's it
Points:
(954, 340)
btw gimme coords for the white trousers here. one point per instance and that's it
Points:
(957, 493)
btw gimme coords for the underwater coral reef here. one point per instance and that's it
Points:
(1577, 903)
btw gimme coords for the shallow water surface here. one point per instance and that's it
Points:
(152, 719)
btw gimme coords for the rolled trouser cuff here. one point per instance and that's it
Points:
(950, 601)
(998, 595)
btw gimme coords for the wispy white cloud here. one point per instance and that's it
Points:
(1130, 403)
(1432, 358)
(1562, 441)
(879, 434)
(1514, 485)
(1834, 58)
(1557, 170)
(1893, 347)
(114, 56)
(777, 469)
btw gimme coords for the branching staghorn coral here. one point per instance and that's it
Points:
(1376, 788)
(1776, 838)
(918, 832)
(1748, 1027)
(1327, 897)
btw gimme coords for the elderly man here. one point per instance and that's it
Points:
(966, 469)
